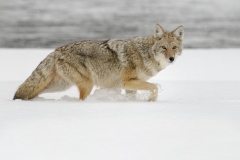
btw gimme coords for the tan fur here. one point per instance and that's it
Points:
(125, 64)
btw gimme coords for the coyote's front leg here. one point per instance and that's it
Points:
(135, 85)
(131, 94)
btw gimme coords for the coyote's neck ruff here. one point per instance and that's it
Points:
(125, 64)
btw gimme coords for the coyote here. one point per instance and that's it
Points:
(125, 64)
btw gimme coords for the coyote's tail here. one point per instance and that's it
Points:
(38, 80)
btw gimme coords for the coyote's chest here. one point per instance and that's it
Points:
(146, 73)
(151, 68)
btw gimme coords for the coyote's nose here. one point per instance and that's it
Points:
(171, 59)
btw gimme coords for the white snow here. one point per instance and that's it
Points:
(197, 115)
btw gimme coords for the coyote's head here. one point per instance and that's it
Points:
(168, 45)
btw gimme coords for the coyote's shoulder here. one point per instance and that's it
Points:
(113, 63)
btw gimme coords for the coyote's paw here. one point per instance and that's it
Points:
(153, 96)
(152, 99)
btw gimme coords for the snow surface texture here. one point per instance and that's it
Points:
(197, 115)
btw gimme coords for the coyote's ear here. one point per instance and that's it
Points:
(158, 31)
(179, 33)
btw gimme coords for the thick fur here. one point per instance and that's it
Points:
(125, 64)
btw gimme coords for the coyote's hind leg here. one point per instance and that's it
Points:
(74, 76)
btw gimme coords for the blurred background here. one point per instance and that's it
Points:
(49, 24)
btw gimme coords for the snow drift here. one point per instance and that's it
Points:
(197, 114)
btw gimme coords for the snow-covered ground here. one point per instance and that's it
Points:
(197, 115)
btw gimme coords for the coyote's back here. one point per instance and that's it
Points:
(125, 64)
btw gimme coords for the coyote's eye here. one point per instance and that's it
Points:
(174, 47)
(163, 47)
